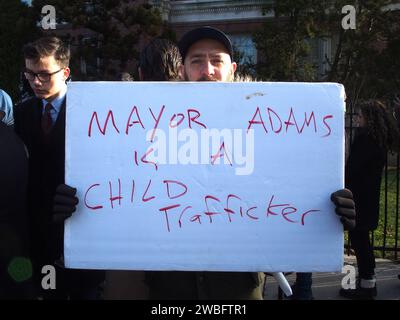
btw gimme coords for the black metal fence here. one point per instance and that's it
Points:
(385, 238)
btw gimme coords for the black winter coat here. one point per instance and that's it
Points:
(364, 169)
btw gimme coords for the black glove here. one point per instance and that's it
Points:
(345, 208)
(64, 204)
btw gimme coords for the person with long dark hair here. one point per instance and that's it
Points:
(376, 134)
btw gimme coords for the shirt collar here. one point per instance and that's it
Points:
(58, 101)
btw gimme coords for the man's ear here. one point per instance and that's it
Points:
(140, 74)
(233, 66)
(181, 72)
(67, 72)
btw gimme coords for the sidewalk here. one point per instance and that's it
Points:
(326, 285)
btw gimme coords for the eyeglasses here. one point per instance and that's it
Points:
(43, 77)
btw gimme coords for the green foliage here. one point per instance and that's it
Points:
(284, 40)
(365, 60)
(17, 26)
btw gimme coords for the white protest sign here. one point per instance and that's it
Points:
(205, 176)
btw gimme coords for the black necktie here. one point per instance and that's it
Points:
(47, 121)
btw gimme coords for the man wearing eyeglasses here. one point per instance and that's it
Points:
(40, 122)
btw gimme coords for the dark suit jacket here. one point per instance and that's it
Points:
(363, 177)
(46, 171)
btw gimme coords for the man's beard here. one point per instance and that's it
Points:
(208, 78)
(203, 78)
